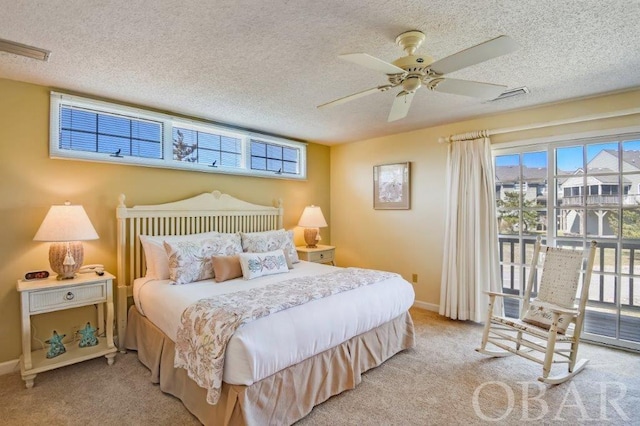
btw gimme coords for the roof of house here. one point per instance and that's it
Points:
(630, 157)
(506, 174)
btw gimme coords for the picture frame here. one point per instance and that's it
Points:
(392, 186)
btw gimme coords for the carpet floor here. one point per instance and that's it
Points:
(442, 381)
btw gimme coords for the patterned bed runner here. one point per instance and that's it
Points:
(207, 325)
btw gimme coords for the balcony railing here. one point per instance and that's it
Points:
(513, 280)
(598, 200)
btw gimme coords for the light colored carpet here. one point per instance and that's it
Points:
(443, 381)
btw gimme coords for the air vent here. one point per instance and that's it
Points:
(24, 50)
(511, 93)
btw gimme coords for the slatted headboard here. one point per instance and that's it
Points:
(203, 213)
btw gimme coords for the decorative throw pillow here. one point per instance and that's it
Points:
(226, 267)
(539, 314)
(256, 265)
(155, 255)
(190, 261)
(261, 242)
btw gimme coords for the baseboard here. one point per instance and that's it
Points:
(428, 306)
(9, 367)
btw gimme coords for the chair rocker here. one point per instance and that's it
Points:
(549, 327)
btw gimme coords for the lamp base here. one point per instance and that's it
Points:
(71, 253)
(311, 237)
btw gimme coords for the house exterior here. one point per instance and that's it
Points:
(602, 195)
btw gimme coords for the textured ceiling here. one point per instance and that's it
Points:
(265, 65)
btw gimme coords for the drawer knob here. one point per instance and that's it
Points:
(321, 255)
(69, 296)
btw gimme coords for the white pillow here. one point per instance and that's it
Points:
(261, 242)
(155, 255)
(191, 260)
(256, 265)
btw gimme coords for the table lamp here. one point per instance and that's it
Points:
(66, 227)
(311, 220)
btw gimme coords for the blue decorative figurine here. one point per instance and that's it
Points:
(56, 348)
(88, 334)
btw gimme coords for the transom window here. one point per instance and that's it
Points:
(85, 129)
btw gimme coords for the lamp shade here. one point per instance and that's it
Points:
(66, 223)
(65, 227)
(312, 218)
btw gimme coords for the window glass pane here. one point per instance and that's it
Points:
(185, 146)
(230, 159)
(288, 167)
(274, 152)
(208, 141)
(631, 223)
(631, 258)
(146, 149)
(258, 163)
(569, 222)
(290, 154)
(78, 141)
(631, 156)
(78, 119)
(111, 145)
(258, 149)
(146, 130)
(602, 222)
(230, 144)
(113, 125)
(207, 156)
(605, 259)
(274, 165)
(602, 157)
(569, 160)
(570, 191)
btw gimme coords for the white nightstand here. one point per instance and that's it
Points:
(320, 254)
(38, 297)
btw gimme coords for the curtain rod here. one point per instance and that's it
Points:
(584, 118)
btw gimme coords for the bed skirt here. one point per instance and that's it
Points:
(282, 398)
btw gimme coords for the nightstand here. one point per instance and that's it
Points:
(38, 297)
(320, 254)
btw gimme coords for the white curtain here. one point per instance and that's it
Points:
(471, 258)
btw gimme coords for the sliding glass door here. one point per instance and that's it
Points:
(570, 194)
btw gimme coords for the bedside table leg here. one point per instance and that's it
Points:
(28, 380)
(110, 358)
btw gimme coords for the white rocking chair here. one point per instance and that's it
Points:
(549, 327)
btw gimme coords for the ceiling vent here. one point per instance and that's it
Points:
(511, 93)
(24, 50)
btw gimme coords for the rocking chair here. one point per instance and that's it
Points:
(549, 327)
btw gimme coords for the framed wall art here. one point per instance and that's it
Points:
(391, 186)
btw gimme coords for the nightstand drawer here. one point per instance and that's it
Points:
(321, 256)
(51, 300)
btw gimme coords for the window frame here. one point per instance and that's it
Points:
(58, 100)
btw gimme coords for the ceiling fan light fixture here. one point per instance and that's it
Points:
(412, 83)
(24, 50)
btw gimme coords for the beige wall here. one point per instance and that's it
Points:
(411, 241)
(30, 183)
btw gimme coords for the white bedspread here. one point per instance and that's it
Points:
(263, 347)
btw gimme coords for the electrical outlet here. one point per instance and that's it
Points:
(414, 278)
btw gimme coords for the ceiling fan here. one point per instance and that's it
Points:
(414, 71)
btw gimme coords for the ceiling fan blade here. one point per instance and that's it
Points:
(373, 63)
(474, 55)
(401, 105)
(356, 96)
(474, 89)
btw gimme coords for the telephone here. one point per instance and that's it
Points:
(96, 267)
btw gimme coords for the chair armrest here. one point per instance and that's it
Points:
(564, 311)
(511, 296)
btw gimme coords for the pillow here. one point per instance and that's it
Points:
(155, 255)
(261, 242)
(256, 265)
(226, 267)
(190, 260)
(539, 314)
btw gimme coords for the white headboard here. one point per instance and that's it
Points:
(203, 213)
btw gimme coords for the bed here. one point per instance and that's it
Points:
(277, 367)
